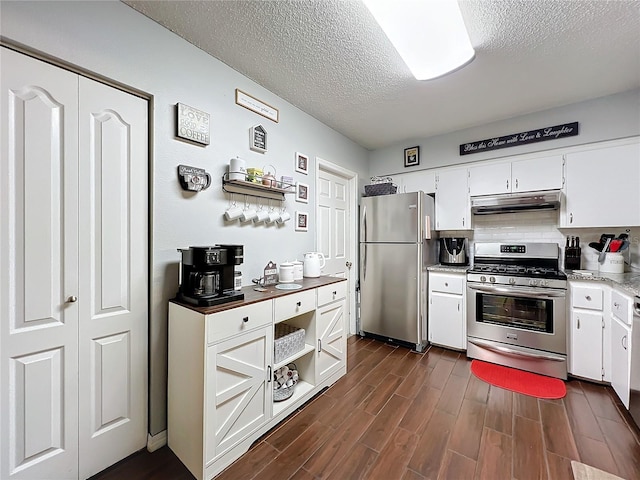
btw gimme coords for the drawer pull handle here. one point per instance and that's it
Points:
(588, 297)
(616, 304)
(245, 319)
(299, 304)
(319, 345)
(446, 284)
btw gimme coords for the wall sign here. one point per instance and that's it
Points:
(258, 139)
(193, 179)
(515, 139)
(251, 103)
(193, 124)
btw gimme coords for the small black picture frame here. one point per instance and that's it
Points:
(412, 156)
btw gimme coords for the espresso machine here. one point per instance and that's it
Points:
(207, 275)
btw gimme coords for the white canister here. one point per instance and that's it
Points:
(285, 274)
(613, 263)
(298, 269)
(237, 169)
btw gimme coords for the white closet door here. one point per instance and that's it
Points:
(38, 270)
(113, 276)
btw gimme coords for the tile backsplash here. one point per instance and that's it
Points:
(541, 226)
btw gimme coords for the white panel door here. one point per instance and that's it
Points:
(333, 223)
(113, 275)
(38, 270)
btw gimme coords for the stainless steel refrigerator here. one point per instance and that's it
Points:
(397, 244)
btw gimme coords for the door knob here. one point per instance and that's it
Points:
(72, 299)
(348, 264)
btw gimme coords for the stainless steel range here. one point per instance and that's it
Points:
(516, 307)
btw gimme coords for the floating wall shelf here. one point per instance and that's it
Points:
(255, 189)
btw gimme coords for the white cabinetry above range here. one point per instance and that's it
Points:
(534, 174)
(452, 200)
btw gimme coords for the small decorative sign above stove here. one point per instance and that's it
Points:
(522, 138)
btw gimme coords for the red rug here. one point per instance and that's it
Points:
(519, 381)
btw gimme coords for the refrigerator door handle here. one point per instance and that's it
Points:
(427, 227)
(364, 223)
(364, 262)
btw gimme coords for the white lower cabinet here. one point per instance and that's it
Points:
(447, 312)
(621, 322)
(589, 331)
(221, 364)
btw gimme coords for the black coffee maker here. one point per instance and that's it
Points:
(207, 274)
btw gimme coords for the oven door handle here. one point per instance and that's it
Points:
(529, 292)
(514, 353)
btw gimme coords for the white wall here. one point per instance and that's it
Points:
(114, 41)
(605, 118)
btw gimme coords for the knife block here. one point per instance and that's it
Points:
(572, 258)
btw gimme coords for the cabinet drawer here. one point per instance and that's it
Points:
(237, 320)
(332, 293)
(295, 304)
(621, 307)
(586, 297)
(439, 282)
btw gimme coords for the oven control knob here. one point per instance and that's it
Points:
(492, 279)
(483, 278)
(512, 281)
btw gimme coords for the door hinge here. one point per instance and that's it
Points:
(602, 372)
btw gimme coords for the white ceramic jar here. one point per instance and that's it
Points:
(285, 273)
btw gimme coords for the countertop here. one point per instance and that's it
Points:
(448, 268)
(628, 281)
(253, 296)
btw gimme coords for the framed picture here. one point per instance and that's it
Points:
(302, 192)
(411, 156)
(258, 139)
(302, 163)
(302, 221)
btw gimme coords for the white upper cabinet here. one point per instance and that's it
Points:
(415, 181)
(544, 173)
(490, 179)
(533, 174)
(452, 200)
(601, 187)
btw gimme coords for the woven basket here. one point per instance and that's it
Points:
(380, 189)
(284, 392)
(288, 340)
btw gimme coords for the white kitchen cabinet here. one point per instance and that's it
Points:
(424, 180)
(601, 188)
(447, 313)
(621, 322)
(589, 331)
(621, 359)
(238, 389)
(532, 174)
(452, 200)
(221, 364)
(331, 328)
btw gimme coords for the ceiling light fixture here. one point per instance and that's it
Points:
(429, 35)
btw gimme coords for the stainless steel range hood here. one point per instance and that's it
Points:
(516, 202)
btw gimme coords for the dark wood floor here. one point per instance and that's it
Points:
(402, 415)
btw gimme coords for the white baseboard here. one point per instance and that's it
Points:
(155, 442)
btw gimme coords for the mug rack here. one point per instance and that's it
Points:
(243, 187)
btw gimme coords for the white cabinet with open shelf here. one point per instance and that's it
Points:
(222, 364)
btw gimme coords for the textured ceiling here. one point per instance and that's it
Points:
(330, 59)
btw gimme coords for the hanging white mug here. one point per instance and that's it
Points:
(284, 217)
(233, 213)
(261, 216)
(273, 216)
(248, 214)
